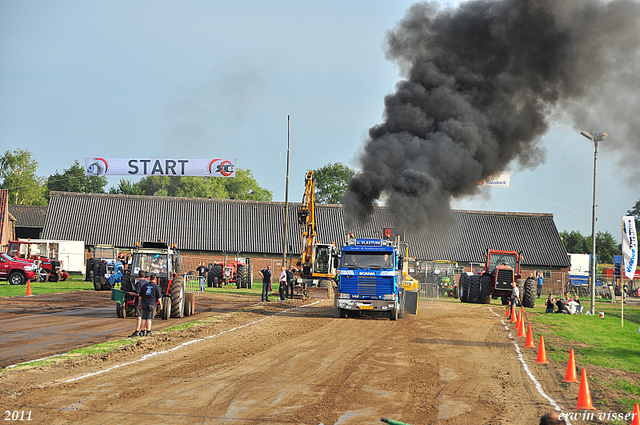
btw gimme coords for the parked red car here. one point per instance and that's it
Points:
(17, 272)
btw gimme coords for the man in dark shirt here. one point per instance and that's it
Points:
(149, 295)
(291, 280)
(202, 271)
(139, 282)
(266, 282)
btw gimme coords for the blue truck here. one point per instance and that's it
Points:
(370, 279)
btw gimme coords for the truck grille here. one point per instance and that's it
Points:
(367, 286)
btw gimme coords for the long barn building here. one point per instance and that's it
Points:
(213, 228)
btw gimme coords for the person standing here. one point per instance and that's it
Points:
(149, 295)
(515, 295)
(139, 282)
(540, 283)
(283, 283)
(265, 274)
(291, 280)
(202, 271)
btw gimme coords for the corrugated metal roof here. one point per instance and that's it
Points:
(31, 216)
(253, 227)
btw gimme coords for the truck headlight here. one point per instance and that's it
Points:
(344, 296)
(389, 297)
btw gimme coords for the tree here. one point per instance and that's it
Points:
(332, 182)
(18, 174)
(635, 211)
(575, 243)
(74, 180)
(126, 187)
(244, 186)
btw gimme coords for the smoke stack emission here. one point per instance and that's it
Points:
(482, 83)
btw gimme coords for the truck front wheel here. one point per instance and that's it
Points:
(393, 314)
(343, 313)
(16, 278)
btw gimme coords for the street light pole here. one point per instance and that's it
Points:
(597, 137)
(286, 200)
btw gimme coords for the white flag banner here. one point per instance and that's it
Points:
(629, 246)
(160, 167)
(498, 180)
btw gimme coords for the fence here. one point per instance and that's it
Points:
(429, 291)
(193, 283)
(191, 262)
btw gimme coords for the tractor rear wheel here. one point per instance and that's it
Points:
(217, 274)
(54, 277)
(43, 275)
(97, 286)
(462, 284)
(210, 275)
(177, 297)
(189, 304)
(166, 307)
(486, 284)
(529, 295)
(504, 300)
(455, 292)
(121, 311)
(88, 276)
(250, 277)
(520, 285)
(474, 289)
(240, 272)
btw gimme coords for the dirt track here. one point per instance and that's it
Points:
(452, 364)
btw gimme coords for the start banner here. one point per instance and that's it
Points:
(159, 167)
(629, 246)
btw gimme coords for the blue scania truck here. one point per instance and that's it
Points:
(370, 279)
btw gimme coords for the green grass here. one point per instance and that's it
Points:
(602, 342)
(104, 347)
(75, 283)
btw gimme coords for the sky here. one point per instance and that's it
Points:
(204, 79)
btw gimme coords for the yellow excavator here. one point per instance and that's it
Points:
(319, 261)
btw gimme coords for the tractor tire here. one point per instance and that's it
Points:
(240, 270)
(217, 275)
(121, 311)
(529, 296)
(97, 286)
(520, 285)
(166, 308)
(130, 310)
(474, 289)
(505, 300)
(462, 284)
(486, 289)
(88, 275)
(17, 278)
(250, 277)
(325, 283)
(243, 273)
(177, 297)
(210, 275)
(54, 277)
(126, 285)
(456, 295)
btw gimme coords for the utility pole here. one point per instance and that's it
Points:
(286, 198)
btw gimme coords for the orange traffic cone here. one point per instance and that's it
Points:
(521, 327)
(508, 312)
(571, 375)
(530, 343)
(513, 314)
(29, 294)
(542, 353)
(636, 415)
(584, 396)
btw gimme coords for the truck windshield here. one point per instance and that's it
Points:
(150, 263)
(502, 260)
(367, 260)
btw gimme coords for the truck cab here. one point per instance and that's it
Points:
(370, 279)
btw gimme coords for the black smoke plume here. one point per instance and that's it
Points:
(482, 83)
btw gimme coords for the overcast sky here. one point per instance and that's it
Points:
(209, 79)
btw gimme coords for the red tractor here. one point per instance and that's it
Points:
(501, 269)
(234, 271)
